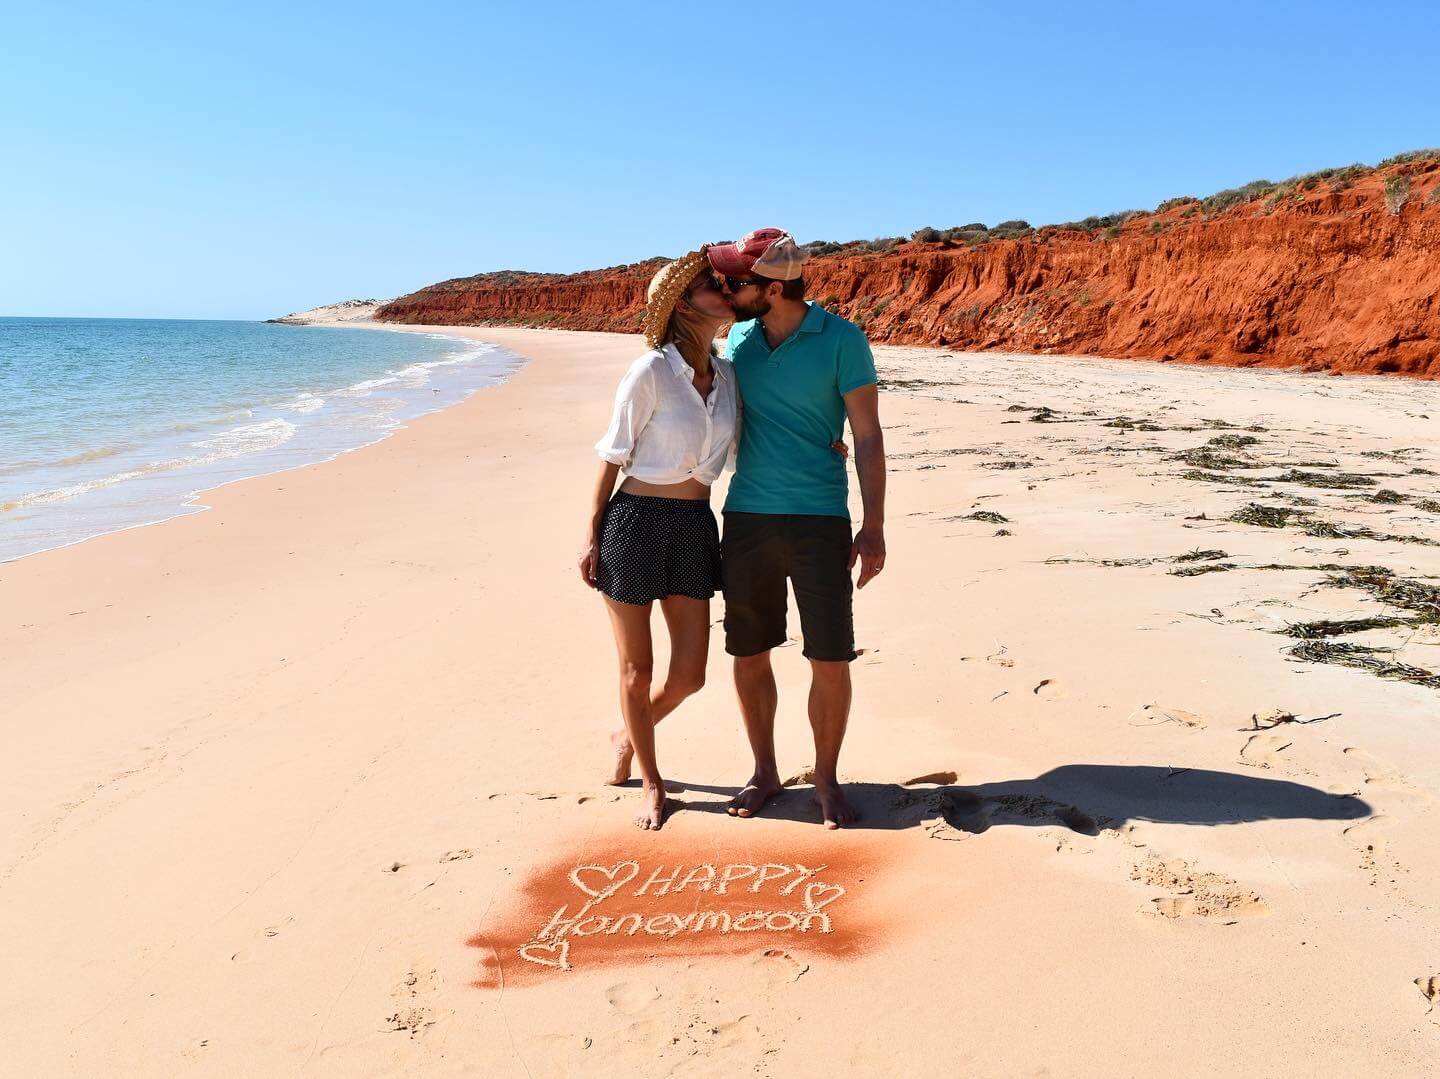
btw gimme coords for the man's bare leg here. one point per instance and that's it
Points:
(829, 714)
(755, 686)
(689, 623)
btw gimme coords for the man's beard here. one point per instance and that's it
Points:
(745, 312)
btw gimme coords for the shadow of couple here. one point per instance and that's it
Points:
(1085, 798)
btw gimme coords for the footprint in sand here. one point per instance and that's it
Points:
(1371, 840)
(1049, 689)
(1379, 774)
(1264, 750)
(1164, 714)
(631, 998)
(1195, 894)
(702, 1030)
(1429, 987)
(940, 778)
(999, 658)
(805, 775)
(412, 1014)
(779, 967)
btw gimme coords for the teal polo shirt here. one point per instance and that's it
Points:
(793, 408)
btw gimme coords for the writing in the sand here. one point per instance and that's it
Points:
(771, 898)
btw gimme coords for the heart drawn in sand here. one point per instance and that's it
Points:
(819, 895)
(618, 875)
(547, 955)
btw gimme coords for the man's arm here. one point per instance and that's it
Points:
(862, 407)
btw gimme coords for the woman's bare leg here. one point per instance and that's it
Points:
(689, 623)
(631, 624)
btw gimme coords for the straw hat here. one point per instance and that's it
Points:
(666, 288)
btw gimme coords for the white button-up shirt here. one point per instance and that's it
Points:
(662, 431)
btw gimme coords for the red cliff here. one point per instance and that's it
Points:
(1337, 271)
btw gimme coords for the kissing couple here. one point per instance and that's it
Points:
(773, 409)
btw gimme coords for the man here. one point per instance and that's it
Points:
(802, 372)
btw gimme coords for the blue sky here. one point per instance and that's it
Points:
(241, 161)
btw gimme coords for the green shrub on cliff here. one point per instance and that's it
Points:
(1234, 196)
(927, 235)
(1410, 155)
(1170, 204)
(1397, 193)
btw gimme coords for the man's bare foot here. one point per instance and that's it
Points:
(620, 743)
(652, 807)
(834, 807)
(762, 787)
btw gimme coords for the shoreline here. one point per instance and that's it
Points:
(488, 368)
(301, 777)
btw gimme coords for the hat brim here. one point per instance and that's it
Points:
(724, 258)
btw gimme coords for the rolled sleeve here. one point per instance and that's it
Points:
(855, 364)
(634, 404)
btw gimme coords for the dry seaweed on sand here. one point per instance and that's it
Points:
(1226, 424)
(1337, 480)
(1196, 569)
(1205, 457)
(1340, 627)
(1007, 463)
(1201, 560)
(1329, 530)
(1275, 717)
(1215, 477)
(1111, 562)
(1403, 592)
(1365, 658)
(1256, 513)
(982, 515)
(1201, 554)
(1233, 442)
(1388, 496)
(1127, 424)
(1429, 505)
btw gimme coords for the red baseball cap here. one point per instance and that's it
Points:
(771, 253)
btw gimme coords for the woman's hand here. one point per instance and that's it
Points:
(590, 563)
(839, 447)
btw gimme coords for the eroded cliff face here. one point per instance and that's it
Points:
(1340, 278)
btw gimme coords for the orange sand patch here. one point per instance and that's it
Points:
(630, 899)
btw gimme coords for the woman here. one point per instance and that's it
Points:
(656, 539)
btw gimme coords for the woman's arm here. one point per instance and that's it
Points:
(590, 553)
(634, 404)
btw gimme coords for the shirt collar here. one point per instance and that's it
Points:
(814, 319)
(683, 369)
(677, 361)
(813, 322)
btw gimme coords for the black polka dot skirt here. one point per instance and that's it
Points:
(653, 547)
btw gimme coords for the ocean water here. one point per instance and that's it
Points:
(111, 423)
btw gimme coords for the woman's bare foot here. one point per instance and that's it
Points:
(624, 754)
(763, 786)
(652, 806)
(835, 809)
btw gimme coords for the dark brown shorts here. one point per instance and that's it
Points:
(759, 553)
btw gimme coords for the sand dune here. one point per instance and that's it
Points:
(311, 783)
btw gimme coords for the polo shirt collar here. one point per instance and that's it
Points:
(814, 320)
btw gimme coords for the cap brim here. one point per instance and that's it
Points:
(725, 259)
